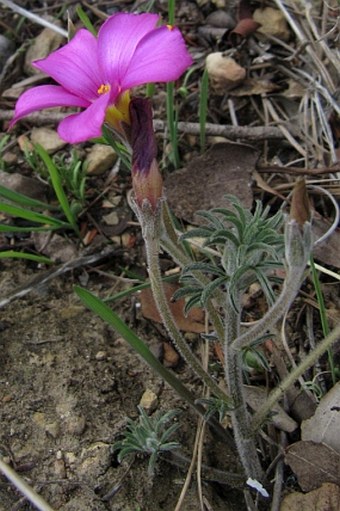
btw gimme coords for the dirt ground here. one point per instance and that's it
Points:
(67, 386)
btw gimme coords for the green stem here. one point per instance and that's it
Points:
(172, 123)
(310, 359)
(290, 289)
(323, 316)
(298, 249)
(244, 437)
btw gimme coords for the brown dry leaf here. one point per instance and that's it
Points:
(251, 87)
(272, 23)
(193, 322)
(244, 28)
(325, 498)
(313, 464)
(324, 425)
(225, 168)
(54, 246)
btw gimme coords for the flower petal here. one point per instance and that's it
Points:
(117, 41)
(161, 56)
(75, 65)
(45, 96)
(85, 125)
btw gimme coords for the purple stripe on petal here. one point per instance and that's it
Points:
(117, 41)
(85, 125)
(45, 96)
(75, 65)
(161, 56)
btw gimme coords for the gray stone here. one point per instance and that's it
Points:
(100, 159)
(48, 138)
(23, 184)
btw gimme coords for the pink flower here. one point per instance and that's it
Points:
(97, 73)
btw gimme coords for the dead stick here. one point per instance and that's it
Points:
(223, 130)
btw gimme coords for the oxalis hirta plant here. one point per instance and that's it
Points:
(236, 247)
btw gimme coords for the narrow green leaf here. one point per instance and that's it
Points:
(203, 107)
(32, 216)
(194, 301)
(213, 219)
(199, 232)
(210, 288)
(23, 200)
(57, 186)
(205, 267)
(9, 254)
(183, 292)
(172, 122)
(85, 20)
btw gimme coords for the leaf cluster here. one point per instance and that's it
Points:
(245, 247)
(34, 211)
(149, 436)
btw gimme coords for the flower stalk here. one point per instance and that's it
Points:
(244, 438)
(150, 221)
(148, 205)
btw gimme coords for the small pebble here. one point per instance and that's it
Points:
(101, 355)
(59, 469)
(170, 357)
(76, 425)
(53, 429)
(149, 400)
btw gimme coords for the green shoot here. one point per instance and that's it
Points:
(323, 316)
(203, 108)
(148, 435)
(48, 222)
(3, 141)
(58, 188)
(10, 254)
(172, 123)
(85, 20)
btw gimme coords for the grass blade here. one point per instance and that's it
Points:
(85, 20)
(172, 123)
(23, 200)
(323, 315)
(57, 186)
(203, 108)
(9, 254)
(32, 216)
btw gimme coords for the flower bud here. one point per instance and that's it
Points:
(146, 179)
(300, 210)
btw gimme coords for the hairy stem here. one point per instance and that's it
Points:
(243, 435)
(150, 222)
(298, 247)
(290, 289)
(276, 394)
